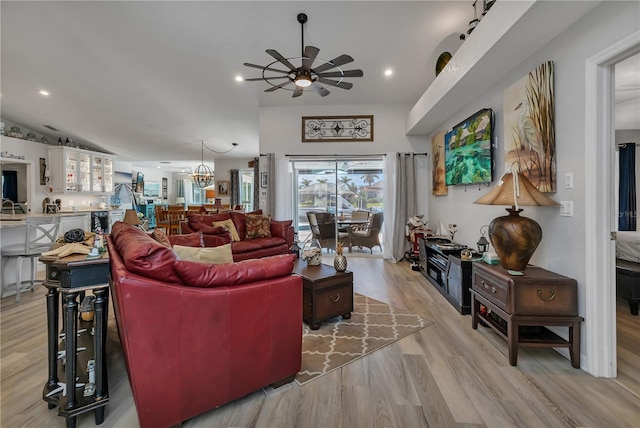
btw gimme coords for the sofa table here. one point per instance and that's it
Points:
(326, 293)
(519, 308)
(80, 356)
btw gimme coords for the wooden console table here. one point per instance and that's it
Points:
(81, 343)
(325, 293)
(525, 305)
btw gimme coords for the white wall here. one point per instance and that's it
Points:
(156, 174)
(222, 168)
(281, 130)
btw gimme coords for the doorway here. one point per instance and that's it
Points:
(246, 189)
(600, 159)
(343, 189)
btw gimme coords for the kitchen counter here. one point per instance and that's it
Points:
(8, 221)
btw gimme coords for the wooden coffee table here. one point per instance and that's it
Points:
(326, 293)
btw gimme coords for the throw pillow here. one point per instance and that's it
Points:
(161, 237)
(213, 255)
(258, 226)
(229, 225)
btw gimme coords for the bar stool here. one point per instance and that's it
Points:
(40, 235)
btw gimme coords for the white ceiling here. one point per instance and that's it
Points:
(149, 80)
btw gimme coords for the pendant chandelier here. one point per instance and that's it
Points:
(202, 176)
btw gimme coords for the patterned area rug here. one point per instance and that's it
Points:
(337, 342)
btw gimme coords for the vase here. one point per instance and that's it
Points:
(340, 263)
(312, 253)
(14, 132)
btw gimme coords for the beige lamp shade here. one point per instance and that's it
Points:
(514, 237)
(131, 217)
(504, 193)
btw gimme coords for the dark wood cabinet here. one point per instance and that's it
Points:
(325, 293)
(519, 308)
(447, 272)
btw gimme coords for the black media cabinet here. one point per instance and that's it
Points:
(449, 274)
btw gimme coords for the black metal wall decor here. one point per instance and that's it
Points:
(337, 128)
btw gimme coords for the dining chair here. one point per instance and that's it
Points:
(41, 233)
(176, 215)
(370, 236)
(194, 209)
(162, 218)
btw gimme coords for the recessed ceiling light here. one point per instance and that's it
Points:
(388, 72)
(239, 79)
(43, 92)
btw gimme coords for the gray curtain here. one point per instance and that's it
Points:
(180, 188)
(271, 185)
(256, 183)
(235, 188)
(405, 201)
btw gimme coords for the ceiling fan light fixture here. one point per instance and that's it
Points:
(303, 81)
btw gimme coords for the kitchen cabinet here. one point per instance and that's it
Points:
(80, 171)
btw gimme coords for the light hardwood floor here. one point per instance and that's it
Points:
(445, 375)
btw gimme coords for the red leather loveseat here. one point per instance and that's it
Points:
(280, 240)
(196, 336)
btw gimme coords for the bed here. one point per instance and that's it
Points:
(628, 246)
(628, 268)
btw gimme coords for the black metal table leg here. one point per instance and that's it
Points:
(52, 335)
(71, 338)
(100, 338)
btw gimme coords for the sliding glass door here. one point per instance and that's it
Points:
(337, 187)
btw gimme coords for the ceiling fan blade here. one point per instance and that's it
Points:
(320, 89)
(262, 67)
(274, 53)
(345, 73)
(297, 92)
(336, 62)
(343, 85)
(256, 79)
(273, 88)
(310, 53)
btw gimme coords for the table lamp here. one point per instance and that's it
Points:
(180, 200)
(131, 217)
(210, 194)
(515, 238)
(218, 204)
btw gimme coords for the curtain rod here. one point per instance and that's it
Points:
(344, 156)
(624, 144)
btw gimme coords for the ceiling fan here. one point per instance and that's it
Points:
(306, 76)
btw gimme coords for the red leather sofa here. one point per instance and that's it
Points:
(196, 336)
(279, 242)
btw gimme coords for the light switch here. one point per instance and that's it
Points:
(568, 180)
(566, 208)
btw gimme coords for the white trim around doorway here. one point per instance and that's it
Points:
(600, 325)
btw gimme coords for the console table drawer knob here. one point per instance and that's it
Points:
(335, 299)
(552, 295)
